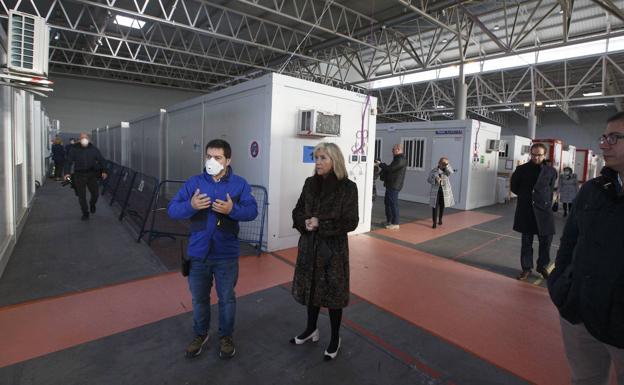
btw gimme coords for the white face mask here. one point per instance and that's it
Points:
(213, 167)
(84, 142)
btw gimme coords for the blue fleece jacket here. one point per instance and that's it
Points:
(214, 235)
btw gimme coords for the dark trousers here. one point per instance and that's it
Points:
(391, 201)
(82, 181)
(438, 211)
(58, 168)
(566, 207)
(526, 252)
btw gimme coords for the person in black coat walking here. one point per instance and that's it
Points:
(587, 284)
(534, 183)
(88, 164)
(393, 176)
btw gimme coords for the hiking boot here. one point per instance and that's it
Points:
(524, 275)
(542, 270)
(226, 349)
(195, 347)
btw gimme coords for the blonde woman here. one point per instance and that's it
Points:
(441, 194)
(325, 212)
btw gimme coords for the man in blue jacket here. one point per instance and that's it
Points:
(215, 201)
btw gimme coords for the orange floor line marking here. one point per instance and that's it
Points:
(496, 318)
(41, 327)
(420, 231)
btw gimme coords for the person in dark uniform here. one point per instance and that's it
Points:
(88, 164)
(71, 144)
(534, 183)
(58, 156)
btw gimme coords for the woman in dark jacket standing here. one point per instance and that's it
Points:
(326, 211)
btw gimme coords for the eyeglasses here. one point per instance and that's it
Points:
(610, 138)
(537, 155)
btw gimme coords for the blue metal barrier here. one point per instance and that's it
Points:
(166, 227)
(252, 232)
(124, 186)
(161, 225)
(139, 203)
(111, 183)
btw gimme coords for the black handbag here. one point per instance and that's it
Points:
(555, 206)
(185, 264)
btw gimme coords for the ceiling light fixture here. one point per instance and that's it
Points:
(496, 27)
(597, 93)
(129, 22)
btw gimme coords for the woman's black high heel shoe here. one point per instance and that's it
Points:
(314, 336)
(330, 356)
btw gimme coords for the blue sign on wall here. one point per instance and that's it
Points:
(308, 154)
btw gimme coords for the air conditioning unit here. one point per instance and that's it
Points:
(318, 123)
(29, 39)
(494, 145)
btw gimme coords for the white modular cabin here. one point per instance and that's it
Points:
(262, 121)
(586, 164)
(470, 145)
(568, 157)
(517, 151)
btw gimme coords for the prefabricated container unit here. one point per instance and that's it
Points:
(568, 157)
(272, 123)
(470, 145)
(586, 164)
(516, 151)
(600, 163)
(554, 152)
(23, 149)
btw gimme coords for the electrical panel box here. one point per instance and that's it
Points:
(317, 123)
(494, 145)
(29, 39)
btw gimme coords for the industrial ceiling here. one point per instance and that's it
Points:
(209, 45)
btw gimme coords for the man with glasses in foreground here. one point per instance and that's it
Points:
(587, 284)
(533, 183)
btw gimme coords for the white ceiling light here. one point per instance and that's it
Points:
(440, 106)
(527, 104)
(538, 103)
(591, 105)
(129, 22)
(549, 55)
(496, 27)
(550, 105)
(597, 93)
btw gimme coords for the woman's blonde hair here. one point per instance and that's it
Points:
(338, 163)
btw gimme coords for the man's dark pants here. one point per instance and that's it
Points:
(82, 181)
(391, 202)
(526, 252)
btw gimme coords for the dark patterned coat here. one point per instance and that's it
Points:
(534, 185)
(322, 268)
